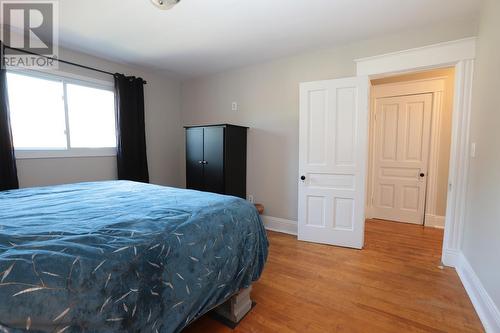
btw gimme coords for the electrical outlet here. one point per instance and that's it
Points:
(250, 198)
(234, 106)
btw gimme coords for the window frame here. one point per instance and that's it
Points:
(66, 78)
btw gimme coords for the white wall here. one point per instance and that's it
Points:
(269, 102)
(163, 133)
(482, 229)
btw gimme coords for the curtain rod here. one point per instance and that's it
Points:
(63, 61)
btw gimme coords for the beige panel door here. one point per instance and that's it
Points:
(333, 149)
(401, 154)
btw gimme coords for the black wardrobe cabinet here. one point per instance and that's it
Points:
(216, 159)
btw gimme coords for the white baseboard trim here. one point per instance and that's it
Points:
(280, 225)
(434, 221)
(451, 258)
(486, 309)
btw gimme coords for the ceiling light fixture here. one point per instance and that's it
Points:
(165, 4)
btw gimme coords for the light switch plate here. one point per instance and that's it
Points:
(234, 106)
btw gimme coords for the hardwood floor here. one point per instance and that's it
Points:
(393, 285)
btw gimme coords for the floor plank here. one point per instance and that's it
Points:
(394, 284)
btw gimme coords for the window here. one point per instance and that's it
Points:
(58, 117)
(36, 112)
(91, 117)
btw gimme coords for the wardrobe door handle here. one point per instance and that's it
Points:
(205, 162)
(200, 162)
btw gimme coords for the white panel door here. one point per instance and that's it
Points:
(401, 155)
(332, 166)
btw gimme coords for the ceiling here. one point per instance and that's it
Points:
(198, 37)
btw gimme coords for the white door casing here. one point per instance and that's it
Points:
(401, 140)
(332, 161)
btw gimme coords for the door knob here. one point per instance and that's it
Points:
(422, 175)
(303, 178)
(200, 162)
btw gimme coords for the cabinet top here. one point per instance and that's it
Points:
(215, 125)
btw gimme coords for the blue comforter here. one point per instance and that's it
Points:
(122, 256)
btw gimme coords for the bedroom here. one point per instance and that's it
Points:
(200, 63)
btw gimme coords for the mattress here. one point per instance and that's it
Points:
(122, 256)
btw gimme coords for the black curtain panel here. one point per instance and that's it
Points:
(131, 132)
(8, 170)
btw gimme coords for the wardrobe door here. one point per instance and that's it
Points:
(235, 161)
(213, 148)
(194, 159)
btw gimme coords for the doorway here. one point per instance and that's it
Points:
(333, 146)
(409, 147)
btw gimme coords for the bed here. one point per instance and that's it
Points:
(122, 256)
